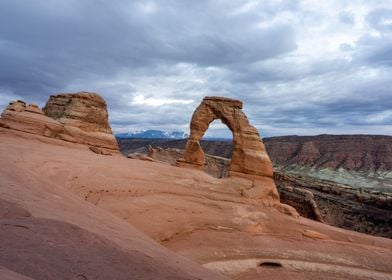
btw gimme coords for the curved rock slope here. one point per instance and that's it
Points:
(71, 209)
(49, 231)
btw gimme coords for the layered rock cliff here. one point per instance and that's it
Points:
(78, 118)
(85, 110)
(324, 157)
(369, 153)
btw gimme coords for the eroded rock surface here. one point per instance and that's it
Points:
(343, 206)
(77, 118)
(249, 159)
(249, 155)
(85, 110)
(86, 207)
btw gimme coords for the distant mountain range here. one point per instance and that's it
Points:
(153, 134)
(160, 134)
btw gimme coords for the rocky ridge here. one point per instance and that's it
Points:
(374, 175)
(77, 118)
(361, 161)
(370, 153)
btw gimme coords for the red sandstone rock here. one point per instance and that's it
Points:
(18, 106)
(85, 117)
(33, 108)
(78, 118)
(249, 158)
(85, 110)
(364, 153)
(86, 207)
(249, 155)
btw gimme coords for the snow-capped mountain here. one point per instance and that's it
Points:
(154, 134)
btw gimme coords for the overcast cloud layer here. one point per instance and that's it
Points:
(300, 67)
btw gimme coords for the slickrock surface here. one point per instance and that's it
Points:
(342, 206)
(49, 231)
(249, 159)
(79, 118)
(72, 205)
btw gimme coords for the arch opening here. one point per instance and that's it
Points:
(248, 157)
(217, 145)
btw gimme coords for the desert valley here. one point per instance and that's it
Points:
(72, 206)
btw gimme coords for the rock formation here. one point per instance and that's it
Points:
(84, 116)
(79, 118)
(365, 153)
(342, 206)
(249, 158)
(346, 207)
(85, 110)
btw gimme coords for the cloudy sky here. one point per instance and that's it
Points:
(300, 67)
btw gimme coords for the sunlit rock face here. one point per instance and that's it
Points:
(79, 118)
(85, 110)
(249, 159)
(249, 154)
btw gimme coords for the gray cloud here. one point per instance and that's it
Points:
(299, 67)
(347, 17)
(380, 19)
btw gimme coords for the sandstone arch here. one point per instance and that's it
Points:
(249, 154)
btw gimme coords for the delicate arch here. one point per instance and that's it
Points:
(249, 154)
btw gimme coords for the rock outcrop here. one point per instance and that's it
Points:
(249, 155)
(342, 206)
(85, 110)
(368, 153)
(346, 207)
(79, 118)
(249, 159)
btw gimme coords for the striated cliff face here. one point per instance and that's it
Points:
(85, 110)
(338, 205)
(360, 161)
(360, 153)
(367, 153)
(78, 118)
